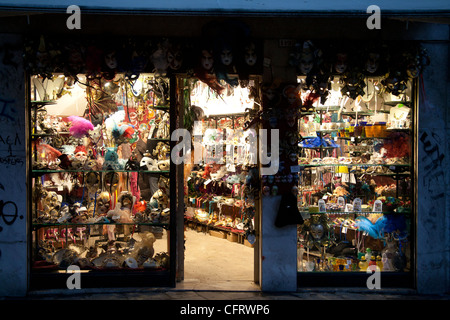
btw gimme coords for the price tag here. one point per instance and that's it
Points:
(344, 229)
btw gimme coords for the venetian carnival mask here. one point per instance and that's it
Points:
(266, 191)
(103, 202)
(160, 61)
(111, 180)
(226, 56)
(110, 60)
(372, 62)
(341, 63)
(306, 62)
(394, 84)
(250, 54)
(317, 231)
(175, 58)
(207, 60)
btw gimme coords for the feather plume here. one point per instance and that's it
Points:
(80, 126)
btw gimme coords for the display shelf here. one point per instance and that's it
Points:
(70, 224)
(394, 103)
(35, 171)
(162, 107)
(354, 114)
(42, 102)
(362, 165)
(355, 212)
(327, 108)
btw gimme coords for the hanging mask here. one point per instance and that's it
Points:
(341, 63)
(317, 231)
(353, 85)
(226, 56)
(160, 61)
(291, 93)
(111, 181)
(395, 83)
(274, 190)
(306, 62)
(207, 60)
(110, 60)
(266, 191)
(175, 57)
(250, 55)
(372, 63)
(92, 180)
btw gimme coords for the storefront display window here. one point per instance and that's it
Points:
(356, 183)
(100, 175)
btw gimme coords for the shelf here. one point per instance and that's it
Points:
(164, 108)
(361, 138)
(38, 135)
(42, 102)
(99, 171)
(328, 108)
(80, 224)
(356, 212)
(354, 113)
(319, 147)
(394, 103)
(355, 164)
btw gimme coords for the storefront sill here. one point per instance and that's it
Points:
(354, 280)
(109, 279)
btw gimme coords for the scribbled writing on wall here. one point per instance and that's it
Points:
(8, 212)
(433, 175)
(9, 142)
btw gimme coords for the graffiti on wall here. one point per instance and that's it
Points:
(432, 182)
(433, 175)
(12, 148)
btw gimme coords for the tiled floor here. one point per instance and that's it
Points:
(213, 263)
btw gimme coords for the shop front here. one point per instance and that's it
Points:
(302, 149)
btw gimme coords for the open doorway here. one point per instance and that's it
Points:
(221, 194)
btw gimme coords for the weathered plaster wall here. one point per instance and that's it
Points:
(13, 200)
(432, 175)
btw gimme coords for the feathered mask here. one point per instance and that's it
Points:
(80, 126)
